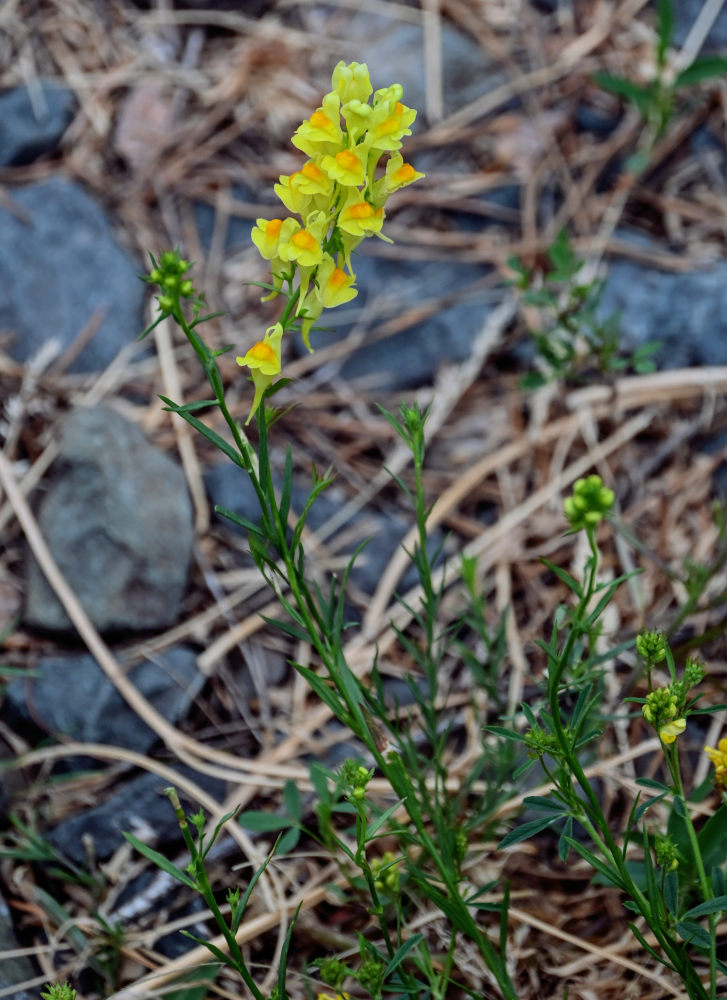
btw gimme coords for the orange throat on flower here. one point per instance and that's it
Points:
(337, 279)
(263, 352)
(304, 240)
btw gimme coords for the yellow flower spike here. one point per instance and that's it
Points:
(347, 167)
(321, 133)
(352, 82)
(263, 360)
(669, 732)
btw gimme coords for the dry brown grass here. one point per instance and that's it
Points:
(179, 105)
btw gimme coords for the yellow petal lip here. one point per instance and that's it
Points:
(669, 732)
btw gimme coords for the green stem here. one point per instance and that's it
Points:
(707, 894)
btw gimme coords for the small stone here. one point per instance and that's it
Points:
(687, 313)
(418, 350)
(118, 520)
(61, 268)
(97, 713)
(139, 807)
(32, 121)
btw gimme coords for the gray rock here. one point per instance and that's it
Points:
(411, 357)
(138, 805)
(237, 233)
(32, 124)
(229, 486)
(59, 263)
(13, 971)
(686, 312)
(97, 713)
(118, 520)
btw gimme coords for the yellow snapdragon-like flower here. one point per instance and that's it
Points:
(268, 235)
(347, 167)
(719, 758)
(333, 288)
(263, 360)
(390, 122)
(321, 133)
(398, 175)
(306, 189)
(358, 217)
(670, 730)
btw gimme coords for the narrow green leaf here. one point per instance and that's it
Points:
(263, 822)
(160, 861)
(564, 576)
(671, 892)
(658, 786)
(196, 404)
(694, 933)
(545, 804)
(703, 68)
(287, 486)
(666, 28)
(291, 800)
(646, 946)
(239, 520)
(526, 830)
(704, 909)
(398, 957)
(283, 966)
(373, 829)
(212, 436)
(609, 873)
(680, 807)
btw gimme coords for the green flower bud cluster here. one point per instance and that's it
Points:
(589, 502)
(539, 742)
(386, 873)
(694, 673)
(661, 709)
(661, 706)
(355, 777)
(371, 975)
(333, 972)
(169, 273)
(461, 843)
(651, 646)
(666, 854)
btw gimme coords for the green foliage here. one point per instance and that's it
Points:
(574, 338)
(657, 100)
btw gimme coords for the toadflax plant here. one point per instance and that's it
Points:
(336, 200)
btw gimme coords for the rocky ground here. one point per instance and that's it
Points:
(126, 129)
